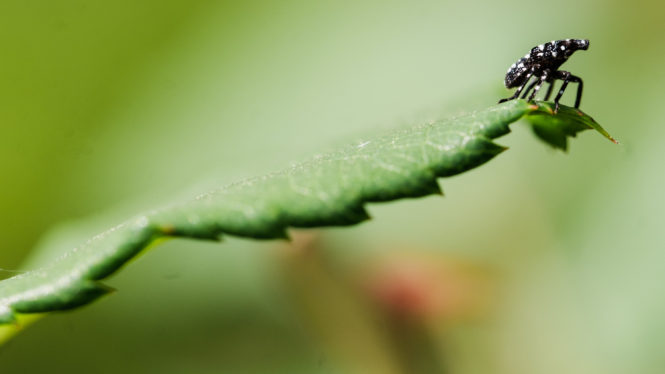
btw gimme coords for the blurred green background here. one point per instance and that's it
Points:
(538, 262)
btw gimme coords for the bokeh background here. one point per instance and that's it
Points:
(539, 262)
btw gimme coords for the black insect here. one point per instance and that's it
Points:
(543, 63)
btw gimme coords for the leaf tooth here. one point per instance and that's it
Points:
(350, 213)
(358, 213)
(277, 231)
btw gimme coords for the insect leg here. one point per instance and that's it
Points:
(535, 90)
(565, 76)
(543, 78)
(519, 89)
(580, 85)
(549, 90)
(526, 92)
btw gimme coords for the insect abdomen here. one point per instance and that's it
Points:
(516, 73)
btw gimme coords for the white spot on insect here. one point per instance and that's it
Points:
(562, 48)
(521, 65)
(552, 42)
(554, 54)
(512, 66)
(541, 47)
(527, 55)
(540, 55)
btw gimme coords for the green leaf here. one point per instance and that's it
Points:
(329, 190)
(555, 130)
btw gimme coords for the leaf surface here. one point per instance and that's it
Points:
(328, 190)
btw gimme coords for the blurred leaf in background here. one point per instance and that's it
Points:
(110, 108)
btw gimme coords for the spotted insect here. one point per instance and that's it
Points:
(543, 63)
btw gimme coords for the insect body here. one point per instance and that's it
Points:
(542, 63)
